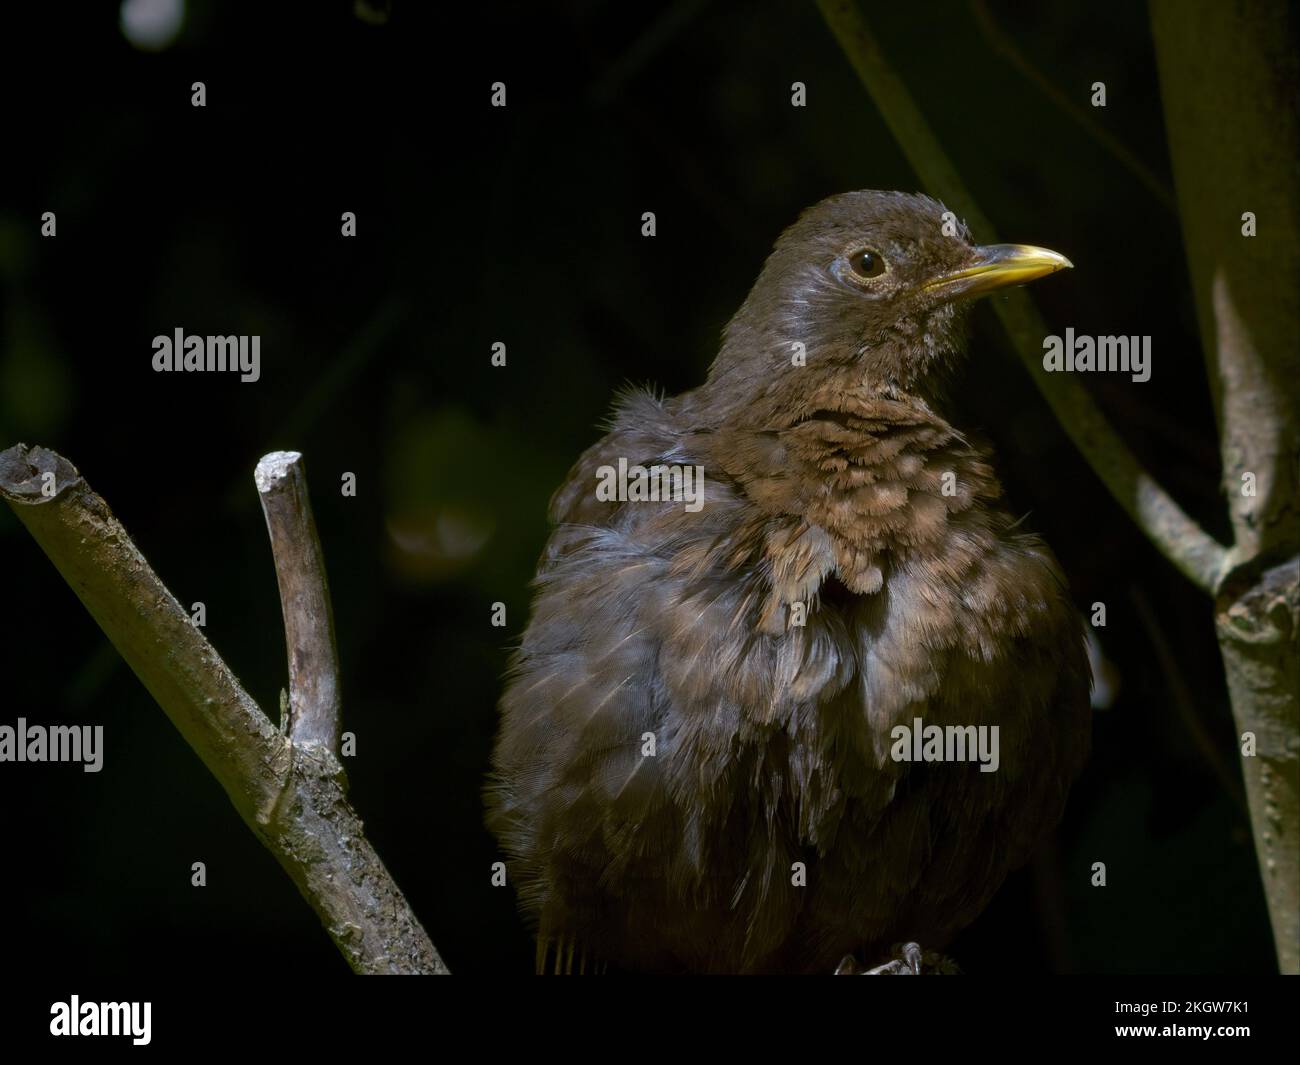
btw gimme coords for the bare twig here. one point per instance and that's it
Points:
(1154, 511)
(305, 601)
(290, 796)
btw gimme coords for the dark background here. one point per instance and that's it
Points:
(522, 225)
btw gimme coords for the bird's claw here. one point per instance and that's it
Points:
(910, 960)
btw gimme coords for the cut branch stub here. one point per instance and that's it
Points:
(314, 691)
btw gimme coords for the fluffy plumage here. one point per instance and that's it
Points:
(824, 486)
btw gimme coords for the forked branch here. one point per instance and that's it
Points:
(289, 789)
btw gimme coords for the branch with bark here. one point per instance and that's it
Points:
(1228, 82)
(289, 787)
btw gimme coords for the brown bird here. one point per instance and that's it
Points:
(699, 766)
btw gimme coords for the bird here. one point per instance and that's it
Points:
(697, 766)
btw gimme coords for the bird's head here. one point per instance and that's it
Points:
(872, 285)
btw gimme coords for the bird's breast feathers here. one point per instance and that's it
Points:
(826, 608)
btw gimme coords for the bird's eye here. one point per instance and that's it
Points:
(867, 263)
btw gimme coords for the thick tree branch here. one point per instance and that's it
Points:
(1154, 511)
(1228, 79)
(290, 796)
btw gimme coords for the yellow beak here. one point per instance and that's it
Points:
(998, 266)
